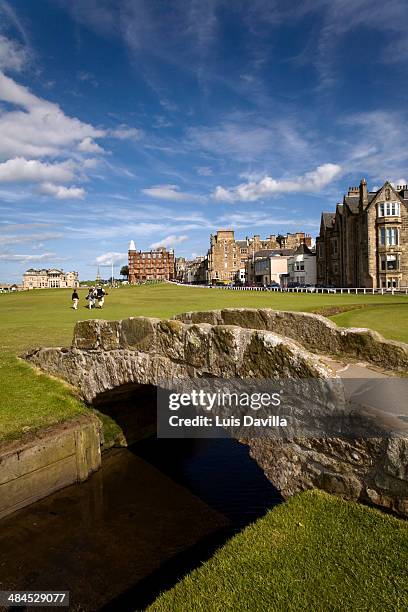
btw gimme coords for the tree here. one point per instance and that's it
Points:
(124, 271)
(280, 239)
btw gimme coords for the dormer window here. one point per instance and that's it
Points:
(389, 209)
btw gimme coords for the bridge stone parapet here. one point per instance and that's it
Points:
(314, 332)
(106, 356)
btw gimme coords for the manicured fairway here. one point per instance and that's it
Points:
(313, 553)
(45, 318)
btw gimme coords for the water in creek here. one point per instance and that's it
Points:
(153, 512)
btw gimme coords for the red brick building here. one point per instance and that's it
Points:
(157, 264)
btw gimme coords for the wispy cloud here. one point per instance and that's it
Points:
(172, 193)
(8, 257)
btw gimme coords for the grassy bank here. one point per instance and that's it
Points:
(314, 552)
(44, 318)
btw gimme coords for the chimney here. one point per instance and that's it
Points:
(132, 246)
(363, 193)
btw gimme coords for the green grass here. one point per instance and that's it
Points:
(390, 320)
(31, 400)
(44, 318)
(313, 553)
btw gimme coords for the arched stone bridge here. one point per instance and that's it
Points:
(109, 356)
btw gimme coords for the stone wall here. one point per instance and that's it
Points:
(109, 354)
(314, 332)
(51, 460)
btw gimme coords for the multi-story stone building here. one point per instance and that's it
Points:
(49, 279)
(191, 270)
(365, 242)
(227, 256)
(157, 264)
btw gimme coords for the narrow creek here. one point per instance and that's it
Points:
(152, 513)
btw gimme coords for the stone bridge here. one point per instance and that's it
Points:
(109, 358)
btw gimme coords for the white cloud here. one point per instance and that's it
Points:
(204, 171)
(35, 237)
(60, 192)
(254, 190)
(40, 127)
(124, 132)
(33, 170)
(42, 257)
(169, 241)
(13, 56)
(112, 257)
(87, 145)
(170, 192)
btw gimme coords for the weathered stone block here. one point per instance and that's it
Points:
(213, 317)
(86, 335)
(243, 317)
(109, 335)
(396, 462)
(138, 333)
(197, 340)
(171, 338)
(345, 485)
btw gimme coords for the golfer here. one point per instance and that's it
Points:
(91, 298)
(75, 299)
(100, 296)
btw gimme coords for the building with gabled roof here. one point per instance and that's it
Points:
(364, 243)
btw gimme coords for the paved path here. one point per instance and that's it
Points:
(381, 394)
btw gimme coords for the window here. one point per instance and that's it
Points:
(388, 236)
(388, 209)
(389, 263)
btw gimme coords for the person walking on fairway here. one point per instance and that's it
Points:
(100, 296)
(75, 299)
(91, 298)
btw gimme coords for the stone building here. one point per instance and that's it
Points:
(364, 243)
(157, 264)
(191, 270)
(302, 266)
(227, 256)
(49, 279)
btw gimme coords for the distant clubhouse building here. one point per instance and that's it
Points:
(157, 264)
(49, 279)
(364, 243)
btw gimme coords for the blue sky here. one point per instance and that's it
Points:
(163, 121)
